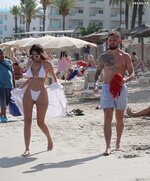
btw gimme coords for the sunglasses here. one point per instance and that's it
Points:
(36, 56)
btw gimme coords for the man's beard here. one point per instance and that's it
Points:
(113, 48)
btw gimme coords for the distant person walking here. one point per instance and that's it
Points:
(137, 64)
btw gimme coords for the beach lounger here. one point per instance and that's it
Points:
(89, 77)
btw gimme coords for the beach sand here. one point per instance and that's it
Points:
(79, 145)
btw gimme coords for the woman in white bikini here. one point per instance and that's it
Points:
(36, 93)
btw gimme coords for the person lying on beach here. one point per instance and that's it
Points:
(144, 112)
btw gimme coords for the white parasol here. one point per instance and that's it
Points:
(22, 42)
(7, 44)
(67, 43)
(42, 41)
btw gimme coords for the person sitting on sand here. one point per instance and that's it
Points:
(144, 112)
(91, 61)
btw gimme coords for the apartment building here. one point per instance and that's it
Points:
(7, 25)
(88, 12)
(84, 13)
(99, 12)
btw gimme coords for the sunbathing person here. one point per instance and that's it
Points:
(144, 112)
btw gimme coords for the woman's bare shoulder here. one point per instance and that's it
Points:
(29, 63)
(47, 62)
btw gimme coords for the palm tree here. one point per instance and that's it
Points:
(15, 10)
(64, 7)
(30, 10)
(134, 13)
(119, 2)
(128, 4)
(44, 3)
(140, 12)
(138, 6)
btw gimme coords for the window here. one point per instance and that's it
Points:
(22, 20)
(80, 10)
(56, 24)
(1, 19)
(5, 28)
(80, 23)
(101, 11)
(5, 17)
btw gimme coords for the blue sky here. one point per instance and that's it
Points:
(8, 3)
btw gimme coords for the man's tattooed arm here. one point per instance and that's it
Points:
(99, 69)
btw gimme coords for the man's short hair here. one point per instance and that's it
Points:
(1, 51)
(114, 33)
(133, 53)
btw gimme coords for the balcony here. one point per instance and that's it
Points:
(116, 17)
(118, 6)
(76, 16)
(80, 3)
(96, 3)
(96, 16)
(54, 16)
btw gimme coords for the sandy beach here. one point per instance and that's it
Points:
(79, 145)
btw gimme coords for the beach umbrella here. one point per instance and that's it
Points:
(94, 37)
(41, 40)
(67, 43)
(138, 32)
(138, 29)
(7, 44)
(123, 32)
(143, 33)
(22, 42)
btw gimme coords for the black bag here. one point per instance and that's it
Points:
(13, 109)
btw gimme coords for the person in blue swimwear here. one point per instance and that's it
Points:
(35, 93)
(114, 62)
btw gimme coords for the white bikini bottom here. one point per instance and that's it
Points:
(35, 95)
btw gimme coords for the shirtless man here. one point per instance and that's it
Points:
(114, 61)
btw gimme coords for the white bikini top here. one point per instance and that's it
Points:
(41, 73)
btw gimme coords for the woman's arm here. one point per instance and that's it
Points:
(24, 84)
(50, 70)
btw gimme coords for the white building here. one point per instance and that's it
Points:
(85, 12)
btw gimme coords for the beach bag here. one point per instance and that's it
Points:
(13, 109)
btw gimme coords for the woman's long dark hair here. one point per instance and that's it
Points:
(40, 50)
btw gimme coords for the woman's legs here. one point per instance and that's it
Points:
(27, 107)
(41, 111)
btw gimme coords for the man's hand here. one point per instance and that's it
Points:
(96, 89)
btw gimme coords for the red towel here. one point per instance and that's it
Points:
(116, 85)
